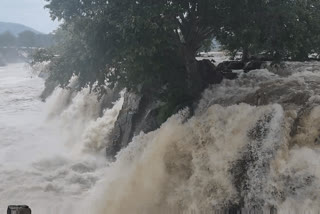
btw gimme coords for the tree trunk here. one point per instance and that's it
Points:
(245, 55)
(302, 56)
(194, 85)
(277, 57)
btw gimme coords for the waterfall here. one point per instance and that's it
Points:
(252, 142)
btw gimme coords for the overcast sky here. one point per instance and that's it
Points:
(27, 12)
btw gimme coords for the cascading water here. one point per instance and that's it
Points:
(51, 153)
(253, 142)
(230, 154)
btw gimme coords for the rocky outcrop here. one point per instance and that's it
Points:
(230, 65)
(209, 73)
(252, 65)
(48, 89)
(139, 113)
(18, 209)
(230, 75)
(226, 68)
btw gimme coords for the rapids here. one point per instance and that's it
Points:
(253, 142)
(51, 153)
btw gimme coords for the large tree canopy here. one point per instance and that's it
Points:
(150, 46)
(283, 28)
(139, 44)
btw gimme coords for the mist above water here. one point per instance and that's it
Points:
(51, 153)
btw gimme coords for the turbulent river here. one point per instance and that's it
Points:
(254, 141)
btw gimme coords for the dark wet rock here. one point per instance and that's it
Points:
(230, 75)
(138, 114)
(227, 71)
(48, 89)
(262, 57)
(18, 209)
(241, 210)
(230, 65)
(209, 73)
(252, 65)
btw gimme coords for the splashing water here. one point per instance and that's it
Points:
(253, 142)
(261, 155)
(44, 155)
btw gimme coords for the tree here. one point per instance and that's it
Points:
(7, 39)
(241, 30)
(286, 29)
(27, 39)
(149, 45)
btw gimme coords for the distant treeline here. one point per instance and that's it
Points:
(26, 39)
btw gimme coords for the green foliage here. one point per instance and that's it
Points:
(7, 39)
(149, 45)
(27, 39)
(41, 55)
(286, 29)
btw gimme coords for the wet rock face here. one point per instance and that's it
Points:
(48, 90)
(214, 75)
(18, 209)
(209, 73)
(139, 113)
(252, 65)
(230, 65)
(230, 75)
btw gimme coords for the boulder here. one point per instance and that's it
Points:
(262, 57)
(18, 209)
(48, 89)
(138, 114)
(252, 65)
(209, 74)
(230, 75)
(213, 75)
(230, 65)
